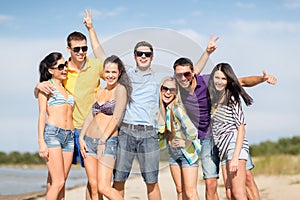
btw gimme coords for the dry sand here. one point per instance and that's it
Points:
(271, 188)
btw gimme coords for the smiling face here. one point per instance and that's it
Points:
(168, 91)
(143, 57)
(59, 71)
(76, 45)
(220, 80)
(184, 75)
(111, 74)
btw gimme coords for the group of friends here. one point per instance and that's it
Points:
(136, 114)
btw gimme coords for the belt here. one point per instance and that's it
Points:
(138, 127)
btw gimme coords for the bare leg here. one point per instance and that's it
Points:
(237, 180)
(251, 187)
(190, 177)
(91, 171)
(153, 191)
(55, 165)
(67, 157)
(105, 170)
(211, 192)
(176, 175)
(119, 186)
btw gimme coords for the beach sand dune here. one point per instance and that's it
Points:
(271, 188)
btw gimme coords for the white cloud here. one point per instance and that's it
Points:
(257, 26)
(5, 18)
(245, 5)
(294, 4)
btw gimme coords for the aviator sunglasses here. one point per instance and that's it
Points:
(77, 49)
(140, 54)
(60, 67)
(165, 89)
(187, 75)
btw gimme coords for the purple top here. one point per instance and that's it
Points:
(198, 105)
(107, 107)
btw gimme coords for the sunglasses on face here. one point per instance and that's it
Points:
(77, 49)
(60, 67)
(187, 75)
(140, 54)
(165, 89)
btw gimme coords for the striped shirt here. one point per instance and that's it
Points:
(225, 122)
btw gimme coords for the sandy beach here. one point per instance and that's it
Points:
(271, 188)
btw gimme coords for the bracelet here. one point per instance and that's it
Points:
(101, 142)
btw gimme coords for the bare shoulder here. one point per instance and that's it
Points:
(120, 89)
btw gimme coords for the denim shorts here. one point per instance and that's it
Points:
(230, 150)
(177, 158)
(58, 137)
(211, 161)
(110, 146)
(139, 143)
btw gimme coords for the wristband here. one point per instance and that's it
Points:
(101, 142)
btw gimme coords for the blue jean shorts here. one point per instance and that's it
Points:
(177, 158)
(140, 142)
(211, 161)
(230, 150)
(110, 146)
(57, 137)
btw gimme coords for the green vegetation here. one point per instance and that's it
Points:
(277, 164)
(15, 158)
(284, 146)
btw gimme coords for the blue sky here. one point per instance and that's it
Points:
(254, 36)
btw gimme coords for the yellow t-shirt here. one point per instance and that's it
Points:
(83, 86)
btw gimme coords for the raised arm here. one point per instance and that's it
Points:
(211, 47)
(251, 81)
(97, 48)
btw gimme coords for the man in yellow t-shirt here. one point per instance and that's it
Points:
(82, 79)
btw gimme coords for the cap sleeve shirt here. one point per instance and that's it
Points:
(198, 105)
(145, 96)
(225, 123)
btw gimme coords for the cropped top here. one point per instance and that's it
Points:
(106, 108)
(56, 98)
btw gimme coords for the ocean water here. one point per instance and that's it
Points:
(19, 180)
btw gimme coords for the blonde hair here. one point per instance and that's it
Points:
(175, 103)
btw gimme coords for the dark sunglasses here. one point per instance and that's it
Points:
(187, 75)
(140, 54)
(77, 49)
(165, 89)
(60, 67)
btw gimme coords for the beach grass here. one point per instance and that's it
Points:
(277, 165)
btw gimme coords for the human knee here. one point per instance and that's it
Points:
(59, 184)
(93, 186)
(152, 187)
(102, 188)
(190, 192)
(118, 185)
(249, 178)
(211, 184)
(178, 189)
